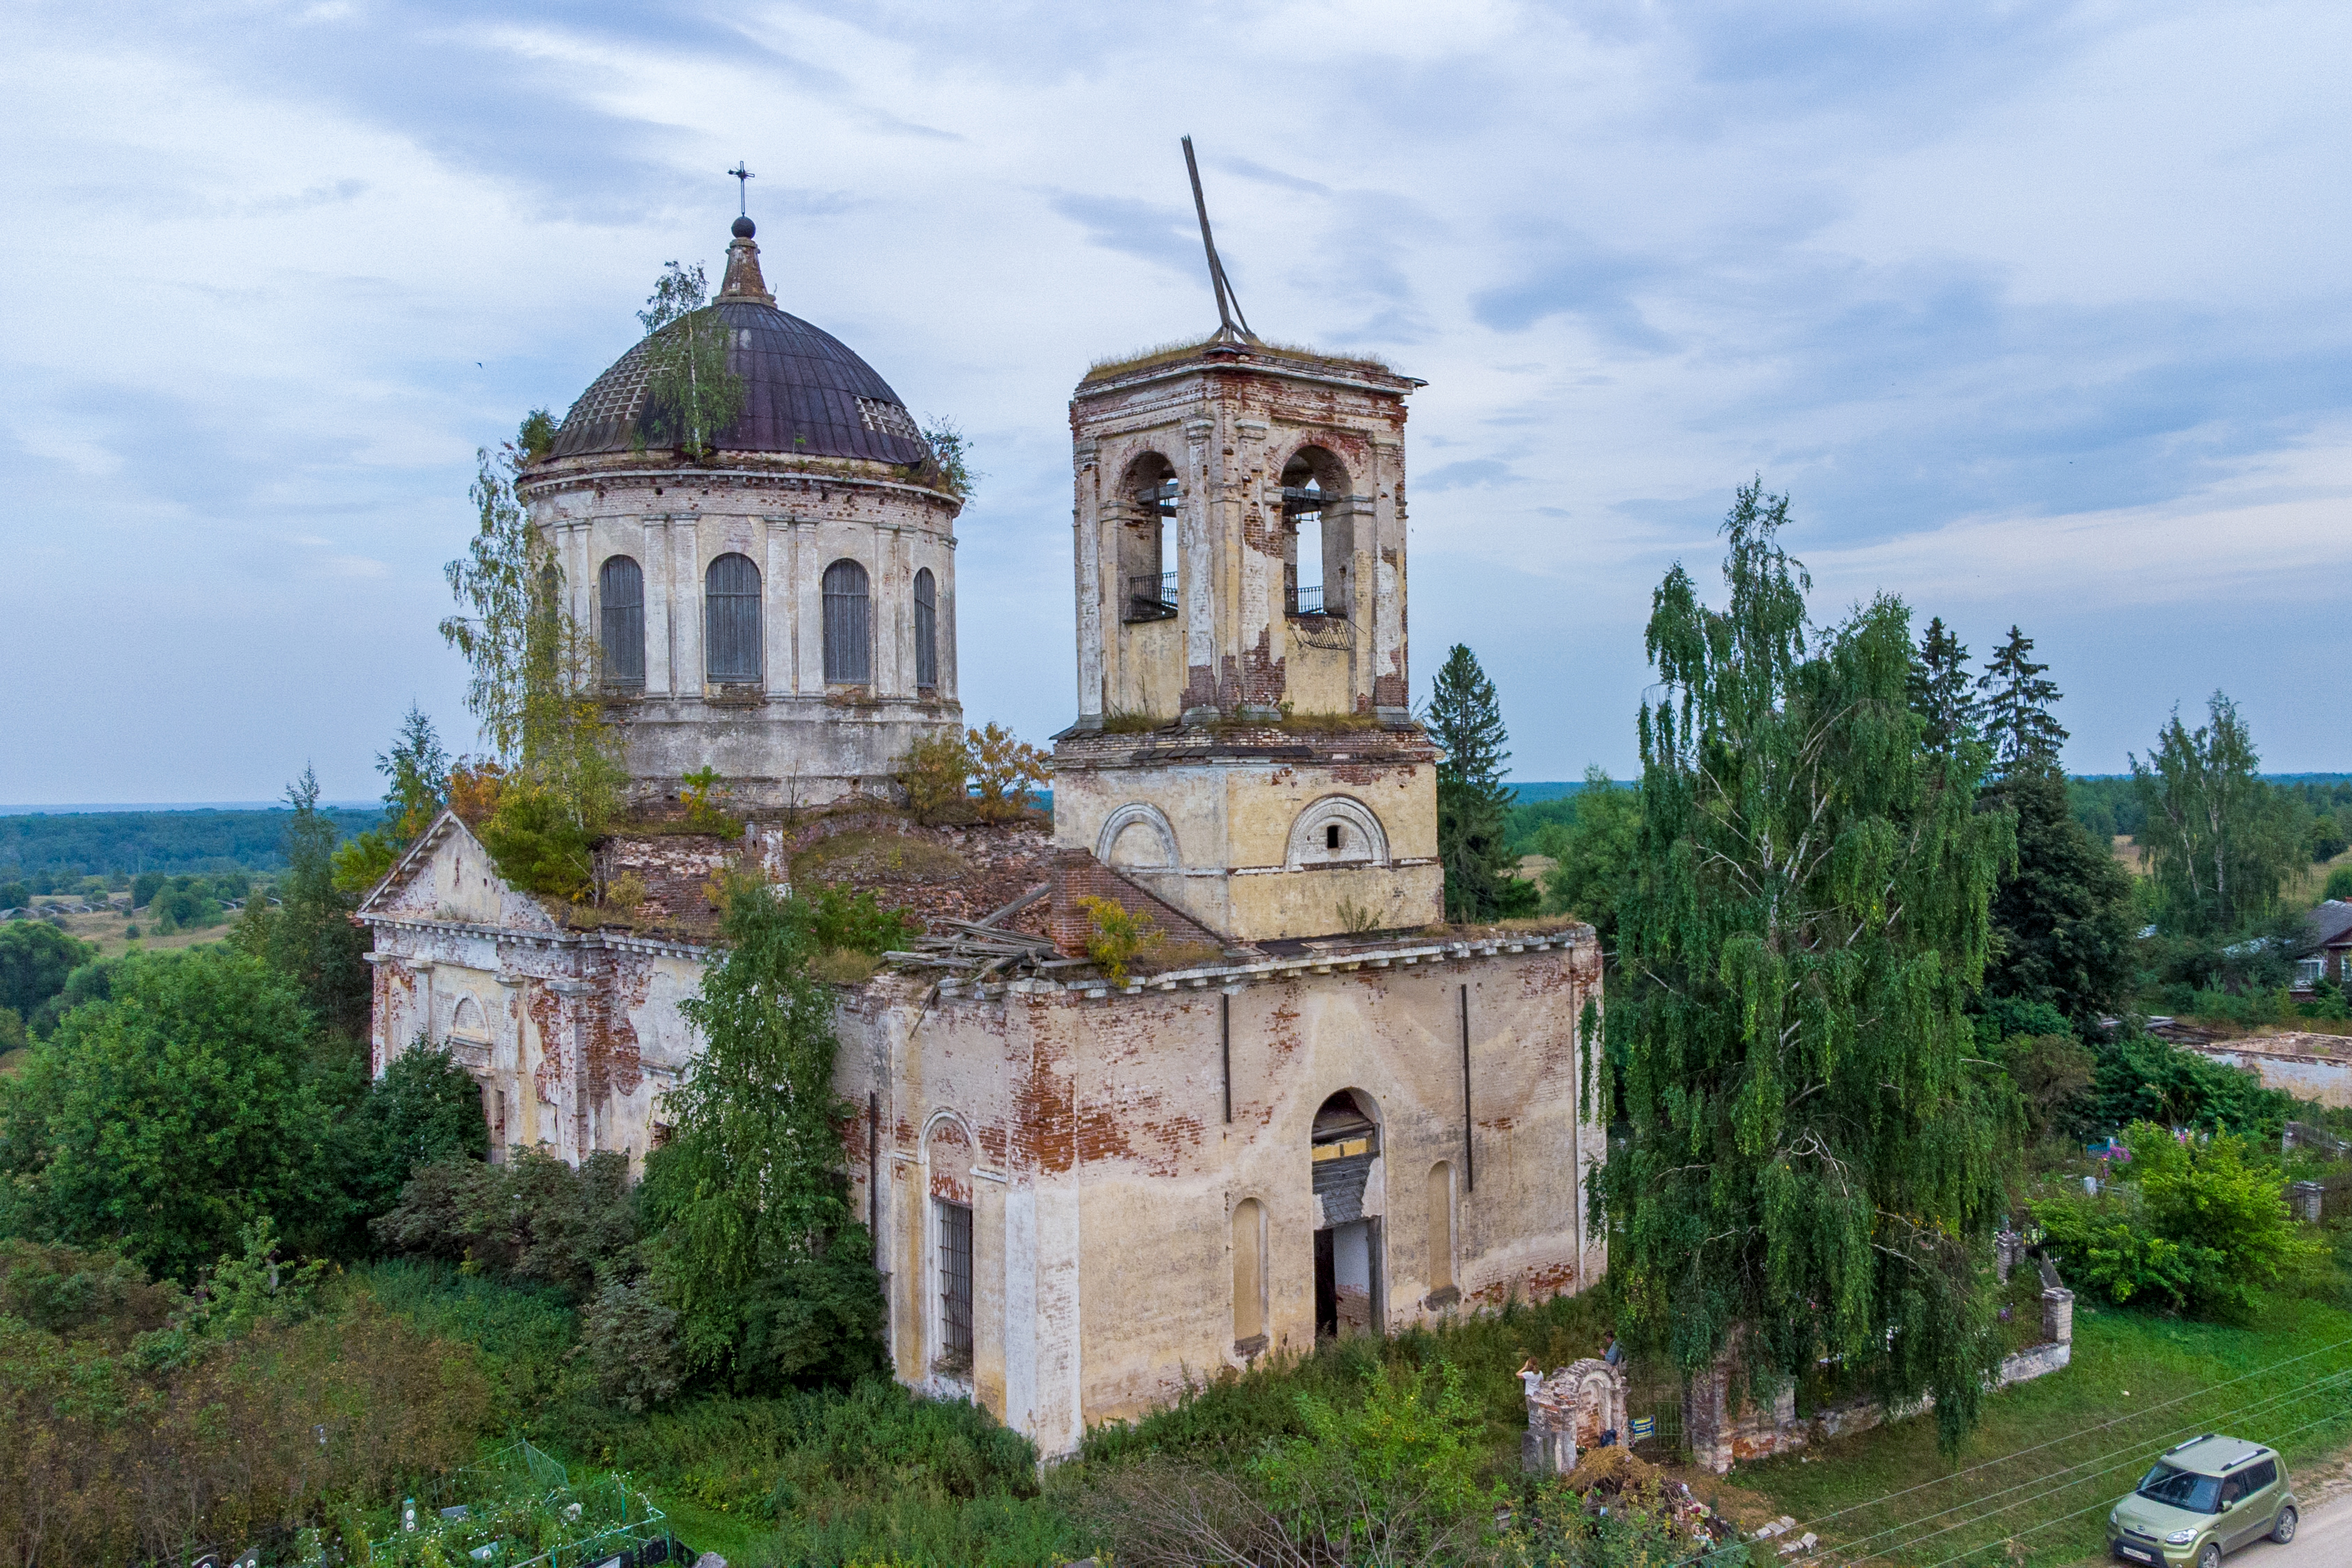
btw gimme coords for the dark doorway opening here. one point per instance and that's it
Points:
(1327, 1289)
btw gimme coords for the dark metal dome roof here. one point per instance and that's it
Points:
(804, 393)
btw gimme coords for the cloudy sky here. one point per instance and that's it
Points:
(2038, 311)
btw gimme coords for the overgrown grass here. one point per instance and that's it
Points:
(2051, 1455)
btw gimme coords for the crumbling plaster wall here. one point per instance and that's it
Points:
(1235, 827)
(790, 737)
(1104, 1174)
(1228, 431)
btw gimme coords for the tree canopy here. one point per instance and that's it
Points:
(2219, 840)
(2018, 697)
(1593, 854)
(1813, 1152)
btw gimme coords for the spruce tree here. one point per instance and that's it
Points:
(2064, 912)
(1465, 719)
(1813, 1159)
(2017, 703)
(1942, 693)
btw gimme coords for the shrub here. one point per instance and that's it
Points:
(2141, 1079)
(2339, 883)
(539, 846)
(1004, 769)
(841, 917)
(705, 796)
(2053, 1074)
(2197, 1223)
(936, 774)
(534, 1220)
(1115, 935)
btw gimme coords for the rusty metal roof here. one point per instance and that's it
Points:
(805, 393)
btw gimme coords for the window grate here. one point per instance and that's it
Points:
(955, 1282)
(927, 630)
(731, 620)
(621, 592)
(848, 625)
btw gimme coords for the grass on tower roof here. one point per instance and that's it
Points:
(1185, 347)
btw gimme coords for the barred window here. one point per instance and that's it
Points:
(848, 625)
(731, 619)
(955, 1284)
(621, 599)
(927, 630)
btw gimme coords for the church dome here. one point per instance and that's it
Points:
(805, 394)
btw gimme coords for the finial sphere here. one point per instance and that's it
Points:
(745, 229)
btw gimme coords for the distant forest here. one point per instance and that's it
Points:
(2105, 803)
(126, 843)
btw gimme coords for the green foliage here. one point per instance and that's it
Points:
(2142, 1079)
(36, 958)
(1942, 694)
(12, 1036)
(2219, 841)
(747, 1194)
(2201, 1225)
(2061, 915)
(1814, 1156)
(534, 1220)
(14, 895)
(951, 451)
(2016, 708)
(91, 982)
(167, 1117)
(310, 938)
(843, 917)
(2339, 883)
(936, 774)
(425, 1107)
(135, 1418)
(184, 903)
(692, 396)
(1391, 1476)
(417, 786)
(531, 686)
(1554, 1526)
(1593, 855)
(1465, 719)
(1115, 936)
(1004, 771)
(706, 803)
(2053, 1074)
(541, 845)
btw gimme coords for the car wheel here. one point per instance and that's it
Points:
(2212, 1556)
(2283, 1527)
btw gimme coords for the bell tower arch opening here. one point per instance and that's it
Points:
(1316, 545)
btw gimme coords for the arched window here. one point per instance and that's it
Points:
(1249, 1277)
(927, 631)
(1315, 548)
(1146, 545)
(621, 600)
(731, 620)
(848, 625)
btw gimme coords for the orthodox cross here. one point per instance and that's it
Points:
(1229, 306)
(743, 188)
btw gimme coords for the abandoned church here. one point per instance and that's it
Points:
(1312, 1108)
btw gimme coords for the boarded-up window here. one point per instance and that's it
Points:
(848, 625)
(927, 630)
(1249, 1277)
(731, 619)
(955, 1285)
(621, 599)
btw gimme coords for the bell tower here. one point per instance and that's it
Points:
(1245, 748)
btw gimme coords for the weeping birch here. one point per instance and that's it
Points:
(1813, 1165)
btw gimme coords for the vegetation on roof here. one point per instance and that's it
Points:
(1170, 352)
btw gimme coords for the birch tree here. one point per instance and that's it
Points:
(1814, 1154)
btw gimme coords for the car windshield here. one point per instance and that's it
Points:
(2182, 1489)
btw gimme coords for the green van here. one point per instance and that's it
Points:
(2208, 1496)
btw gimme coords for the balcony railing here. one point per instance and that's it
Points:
(1152, 597)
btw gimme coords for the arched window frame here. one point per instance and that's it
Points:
(621, 621)
(927, 631)
(849, 597)
(1149, 564)
(731, 616)
(1314, 480)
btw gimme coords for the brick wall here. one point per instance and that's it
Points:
(1076, 874)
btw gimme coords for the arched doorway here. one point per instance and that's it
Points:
(1346, 1155)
